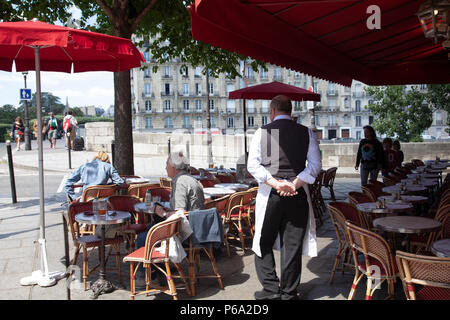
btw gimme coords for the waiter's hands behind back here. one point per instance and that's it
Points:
(285, 188)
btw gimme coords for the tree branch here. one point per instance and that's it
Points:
(142, 15)
(109, 12)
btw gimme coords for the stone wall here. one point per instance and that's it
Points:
(227, 149)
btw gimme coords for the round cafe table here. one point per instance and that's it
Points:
(405, 198)
(423, 175)
(371, 207)
(102, 285)
(441, 248)
(407, 225)
(408, 188)
(214, 192)
(424, 182)
(234, 186)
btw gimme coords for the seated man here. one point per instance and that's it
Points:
(96, 172)
(187, 192)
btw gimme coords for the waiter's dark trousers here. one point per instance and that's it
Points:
(287, 216)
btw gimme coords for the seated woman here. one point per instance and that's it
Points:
(96, 172)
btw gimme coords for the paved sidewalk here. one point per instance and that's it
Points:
(19, 255)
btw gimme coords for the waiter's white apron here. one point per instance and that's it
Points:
(309, 242)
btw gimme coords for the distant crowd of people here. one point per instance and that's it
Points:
(50, 129)
(375, 156)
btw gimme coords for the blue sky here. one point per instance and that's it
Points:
(81, 89)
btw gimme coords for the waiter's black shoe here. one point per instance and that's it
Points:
(265, 295)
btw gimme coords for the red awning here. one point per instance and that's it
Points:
(327, 39)
(267, 91)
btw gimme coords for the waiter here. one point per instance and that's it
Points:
(283, 215)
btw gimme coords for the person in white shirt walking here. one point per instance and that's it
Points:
(277, 160)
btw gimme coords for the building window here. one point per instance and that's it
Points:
(249, 73)
(167, 106)
(186, 122)
(167, 89)
(358, 121)
(185, 89)
(198, 105)
(147, 89)
(358, 135)
(168, 122)
(251, 121)
(166, 71)
(251, 105)
(184, 71)
(197, 72)
(358, 105)
(230, 122)
(438, 118)
(345, 133)
(148, 106)
(148, 123)
(370, 119)
(147, 73)
(198, 89)
(262, 73)
(264, 120)
(211, 105)
(331, 120)
(231, 106)
(316, 120)
(297, 105)
(198, 122)
(147, 56)
(186, 105)
(346, 119)
(230, 87)
(213, 124)
(211, 88)
(277, 73)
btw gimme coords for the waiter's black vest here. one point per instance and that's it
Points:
(284, 147)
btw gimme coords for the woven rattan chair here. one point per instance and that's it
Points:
(410, 165)
(149, 257)
(378, 263)
(87, 243)
(98, 191)
(418, 162)
(225, 178)
(356, 198)
(373, 191)
(328, 181)
(430, 274)
(220, 204)
(194, 171)
(316, 197)
(210, 182)
(388, 181)
(165, 182)
(139, 190)
(195, 247)
(138, 224)
(342, 254)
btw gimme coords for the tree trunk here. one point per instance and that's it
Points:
(123, 131)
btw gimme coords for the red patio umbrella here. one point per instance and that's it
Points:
(267, 91)
(328, 39)
(35, 45)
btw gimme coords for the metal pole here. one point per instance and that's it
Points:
(168, 146)
(11, 172)
(208, 125)
(68, 149)
(245, 134)
(66, 254)
(37, 55)
(113, 149)
(27, 118)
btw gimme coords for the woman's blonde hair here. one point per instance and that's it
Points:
(103, 156)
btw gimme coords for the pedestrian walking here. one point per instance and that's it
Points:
(370, 155)
(70, 125)
(52, 130)
(283, 214)
(17, 130)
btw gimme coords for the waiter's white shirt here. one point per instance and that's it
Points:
(261, 175)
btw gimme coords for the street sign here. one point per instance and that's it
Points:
(25, 94)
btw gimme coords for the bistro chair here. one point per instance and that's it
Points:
(225, 178)
(98, 191)
(87, 243)
(388, 181)
(207, 233)
(378, 264)
(418, 162)
(220, 204)
(373, 192)
(150, 257)
(378, 184)
(355, 197)
(165, 182)
(328, 181)
(210, 182)
(139, 190)
(194, 171)
(338, 219)
(138, 224)
(236, 217)
(424, 277)
(409, 165)
(316, 197)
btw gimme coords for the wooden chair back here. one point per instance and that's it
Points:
(329, 176)
(162, 231)
(234, 204)
(371, 191)
(372, 246)
(356, 197)
(388, 181)
(98, 191)
(225, 178)
(194, 171)
(139, 190)
(72, 211)
(165, 182)
(348, 211)
(430, 273)
(220, 204)
(418, 162)
(126, 203)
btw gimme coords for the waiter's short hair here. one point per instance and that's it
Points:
(281, 103)
(179, 161)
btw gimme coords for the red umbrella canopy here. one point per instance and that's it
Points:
(61, 47)
(267, 91)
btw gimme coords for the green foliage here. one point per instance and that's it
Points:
(399, 112)
(5, 129)
(47, 11)
(49, 103)
(438, 96)
(8, 113)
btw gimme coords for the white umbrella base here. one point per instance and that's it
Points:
(40, 278)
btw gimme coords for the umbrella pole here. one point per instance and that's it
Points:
(41, 277)
(245, 134)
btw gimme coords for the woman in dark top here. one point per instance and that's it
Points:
(370, 155)
(17, 130)
(396, 147)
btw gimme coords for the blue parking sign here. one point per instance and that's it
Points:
(25, 94)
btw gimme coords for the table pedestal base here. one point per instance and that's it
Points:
(102, 286)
